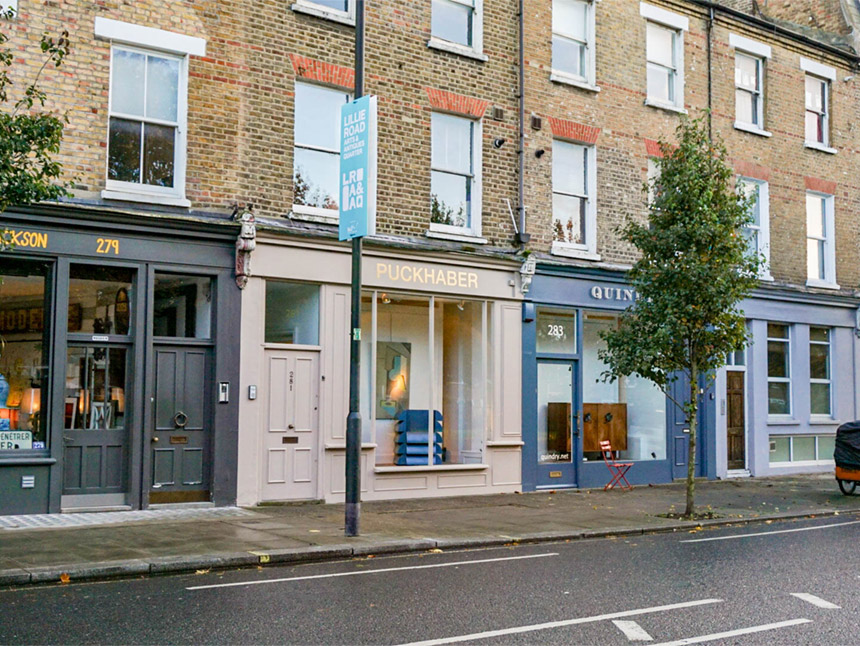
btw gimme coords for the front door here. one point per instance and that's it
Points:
(182, 424)
(735, 435)
(679, 428)
(557, 425)
(290, 431)
(95, 434)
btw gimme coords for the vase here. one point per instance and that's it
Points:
(4, 391)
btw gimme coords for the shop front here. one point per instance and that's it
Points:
(780, 401)
(440, 373)
(568, 406)
(118, 347)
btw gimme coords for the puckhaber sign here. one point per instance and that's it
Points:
(358, 169)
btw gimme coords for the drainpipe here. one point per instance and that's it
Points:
(710, 70)
(522, 236)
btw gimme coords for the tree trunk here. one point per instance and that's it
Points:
(693, 416)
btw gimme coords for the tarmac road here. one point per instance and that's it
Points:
(780, 583)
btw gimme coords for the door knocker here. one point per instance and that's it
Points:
(180, 419)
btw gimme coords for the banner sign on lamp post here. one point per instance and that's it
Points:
(358, 169)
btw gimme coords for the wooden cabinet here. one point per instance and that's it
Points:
(558, 428)
(604, 422)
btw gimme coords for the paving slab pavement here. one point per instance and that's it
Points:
(162, 543)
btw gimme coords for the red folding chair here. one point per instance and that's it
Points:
(617, 469)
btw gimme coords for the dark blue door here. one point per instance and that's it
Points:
(557, 423)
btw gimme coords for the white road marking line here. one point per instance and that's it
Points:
(815, 601)
(378, 571)
(736, 633)
(777, 531)
(633, 631)
(560, 624)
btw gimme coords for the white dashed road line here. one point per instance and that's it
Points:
(561, 624)
(815, 601)
(736, 633)
(633, 631)
(777, 531)
(377, 571)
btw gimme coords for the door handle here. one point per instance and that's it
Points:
(291, 427)
(154, 440)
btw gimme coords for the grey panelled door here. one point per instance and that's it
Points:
(181, 433)
(95, 442)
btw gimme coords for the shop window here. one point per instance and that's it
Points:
(146, 143)
(555, 403)
(758, 230)
(819, 371)
(100, 299)
(664, 53)
(455, 203)
(574, 209)
(787, 449)
(316, 156)
(820, 247)
(457, 22)
(630, 412)
(778, 369)
(556, 331)
(425, 355)
(292, 313)
(24, 351)
(573, 40)
(182, 306)
(95, 388)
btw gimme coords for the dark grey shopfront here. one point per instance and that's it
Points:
(120, 350)
(568, 407)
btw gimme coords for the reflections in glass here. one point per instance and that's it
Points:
(95, 388)
(555, 410)
(100, 299)
(182, 306)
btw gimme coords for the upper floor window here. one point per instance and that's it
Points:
(455, 196)
(147, 126)
(145, 143)
(664, 53)
(817, 98)
(457, 23)
(758, 231)
(574, 226)
(316, 156)
(573, 40)
(750, 59)
(820, 248)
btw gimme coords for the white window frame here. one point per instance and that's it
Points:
(321, 11)
(827, 75)
(829, 281)
(588, 249)
(10, 4)
(783, 380)
(476, 50)
(471, 233)
(763, 227)
(589, 81)
(148, 40)
(326, 215)
(679, 24)
(800, 463)
(829, 380)
(753, 49)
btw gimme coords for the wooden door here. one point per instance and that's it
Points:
(291, 426)
(735, 427)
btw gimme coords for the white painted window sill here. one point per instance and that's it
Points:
(821, 284)
(314, 214)
(458, 237)
(561, 249)
(455, 48)
(671, 107)
(813, 145)
(801, 463)
(432, 467)
(824, 421)
(782, 420)
(560, 77)
(752, 129)
(146, 198)
(321, 12)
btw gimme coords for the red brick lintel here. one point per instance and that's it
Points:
(753, 171)
(820, 185)
(308, 68)
(573, 131)
(459, 103)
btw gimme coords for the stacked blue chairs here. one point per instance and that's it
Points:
(411, 438)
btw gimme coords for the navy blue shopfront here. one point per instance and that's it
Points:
(568, 408)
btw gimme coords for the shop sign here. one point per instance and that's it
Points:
(604, 293)
(432, 276)
(27, 239)
(16, 440)
(358, 169)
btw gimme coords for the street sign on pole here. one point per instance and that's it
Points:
(358, 169)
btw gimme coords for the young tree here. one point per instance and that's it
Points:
(29, 136)
(694, 269)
